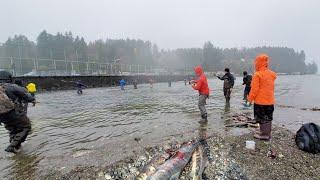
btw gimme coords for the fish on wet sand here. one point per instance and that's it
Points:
(199, 162)
(172, 168)
(150, 168)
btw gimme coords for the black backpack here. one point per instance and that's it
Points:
(308, 138)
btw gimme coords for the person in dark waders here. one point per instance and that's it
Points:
(228, 84)
(122, 83)
(262, 95)
(13, 111)
(201, 85)
(247, 82)
(135, 84)
(80, 86)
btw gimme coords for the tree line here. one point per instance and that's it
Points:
(131, 51)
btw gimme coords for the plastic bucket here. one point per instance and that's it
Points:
(250, 145)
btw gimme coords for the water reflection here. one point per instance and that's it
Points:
(227, 108)
(203, 130)
(226, 114)
(203, 136)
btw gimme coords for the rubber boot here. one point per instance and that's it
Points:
(11, 149)
(265, 130)
(204, 118)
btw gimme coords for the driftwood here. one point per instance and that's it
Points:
(243, 120)
(242, 124)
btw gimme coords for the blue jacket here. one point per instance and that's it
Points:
(122, 82)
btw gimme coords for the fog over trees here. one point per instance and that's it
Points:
(132, 51)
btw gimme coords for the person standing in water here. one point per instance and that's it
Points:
(151, 82)
(228, 83)
(247, 82)
(13, 111)
(169, 82)
(80, 86)
(201, 85)
(135, 84)
(262, 95)
(122, 83)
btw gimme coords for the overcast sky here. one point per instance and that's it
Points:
(172, 23)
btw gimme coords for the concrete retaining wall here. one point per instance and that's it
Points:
(51, 83)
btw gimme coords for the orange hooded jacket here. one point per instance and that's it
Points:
(262, 85)
(201, 84)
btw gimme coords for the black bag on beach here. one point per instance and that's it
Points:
(308, 138)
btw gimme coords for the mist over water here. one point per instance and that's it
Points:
(99, 127)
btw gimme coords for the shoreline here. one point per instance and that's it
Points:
(230, 160)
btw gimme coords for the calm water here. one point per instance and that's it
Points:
(99, 127)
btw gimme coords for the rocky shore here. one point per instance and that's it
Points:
(228, 159)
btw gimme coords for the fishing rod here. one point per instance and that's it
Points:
(68, 81)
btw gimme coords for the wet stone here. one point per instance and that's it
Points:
(107, 176)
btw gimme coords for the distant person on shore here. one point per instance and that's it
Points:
(13, 111)
(189, 80)
(262, 95)
(169, 82)
(122, 83)
(80, 86)
(247, 82)
(135, 84)
(228, 83)
(32, 89)
(201, 85)
(185, 82)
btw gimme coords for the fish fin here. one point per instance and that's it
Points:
(175, 176)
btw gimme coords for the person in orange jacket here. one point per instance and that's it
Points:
(262, 94)
(201, 85)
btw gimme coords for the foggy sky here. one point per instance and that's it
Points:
(172, 23)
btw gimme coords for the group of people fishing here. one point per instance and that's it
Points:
(258, 90)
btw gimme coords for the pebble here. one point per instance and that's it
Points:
(100, 174)
(142, 158)
(281, 156)
(107, 176)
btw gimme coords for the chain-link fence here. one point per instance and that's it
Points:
(55, 67)
(30, 60)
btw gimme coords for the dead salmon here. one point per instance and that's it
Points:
(172, 168)
(150, 168)
(199, 162)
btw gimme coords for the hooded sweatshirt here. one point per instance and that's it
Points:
(262, 85)
(201, 84)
